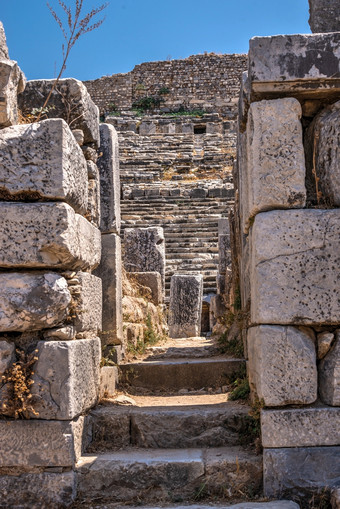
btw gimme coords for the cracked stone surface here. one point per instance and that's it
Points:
(32, 301)
(66, 378)
(282, 365)
(12, 82)
(42, 235)
(43, 160)
(275, 161)
(294, 260)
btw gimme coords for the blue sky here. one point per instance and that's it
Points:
(138, 31)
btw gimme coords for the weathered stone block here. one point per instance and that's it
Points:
(223, 226)
(186, 293)
(108, 381)
(12, 82)
(329, 375)
(282, 365)
(146, 128)
(133, 332)
(32, 301)
(151, 280)
(93, 206)
(40, 443)
(66, 378)
(224, 254)
(43, 160)
(108, 164)
(110, 272)
(300, 471)
(7, 355)
(292, 267)
(300, 427)
(70, 100)
(275, 176)
(41, 235)
(324, 153)
(307, 64)
(324, 343)
(3, 44)
(144, 250)
(324, 16)
(88, 303)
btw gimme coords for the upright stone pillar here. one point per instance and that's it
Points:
(185, 308)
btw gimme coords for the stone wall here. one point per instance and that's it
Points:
(285, 239)
(210, 82)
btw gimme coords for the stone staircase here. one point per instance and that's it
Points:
(190, 230)
(181, 442)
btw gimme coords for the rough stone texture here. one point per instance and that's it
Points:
(282, 365)
(45, 490)
(144, 250)
(324, 16)
(300, 427)
(3, 44)
(71, 102)
(151, 280)
(325, 153)
(43, 160)
(329, 375)
(40, 444)
(294, 255)
(223, 226)
(7, 355)
(277, 504)
(335, 499)
(89, 303)
(108, 381)
(300, 471)
(12, 82)
(93, 205)
(275, 174)
(108, 164)
(324, 342)
(133, 332)
(307, 64)
(110, 272)
(224, 254)
(66, 378)
(32, 301)
(42, 235)
(186, 293)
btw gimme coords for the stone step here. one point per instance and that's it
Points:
(191, 249)
(172, 426)
(276, 504)
(168, 475)
(191, 348)
(174, 375)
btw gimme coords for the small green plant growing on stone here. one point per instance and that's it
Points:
(164, 91)
(147, 103)
(76, 25)
(240, 390)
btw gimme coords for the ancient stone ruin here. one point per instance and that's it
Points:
(205, 202)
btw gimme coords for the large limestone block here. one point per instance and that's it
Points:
(41, 235)
(329, 375)
(93, 206)
(295, 255)
(224, 255)
(300, 427)
(70, 101)
(324, 16)
(275, 157)
(43, 160)
(66, 378)
(12, 82)
(324, 153)
(185, 308)
(300, 471)
(282, 365)
(110, 272)
(108, 164)
(304, 65)
(32, 301)
(151, 280)
(3, 44)
(144, 250)
(88, 303)
(40, 443)
(43, 490)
